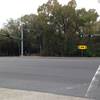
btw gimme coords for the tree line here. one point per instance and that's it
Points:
(56, 30)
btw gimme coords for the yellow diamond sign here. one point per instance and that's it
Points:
(82, 47)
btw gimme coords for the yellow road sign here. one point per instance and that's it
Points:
(82, 47)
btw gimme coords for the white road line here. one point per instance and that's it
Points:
(94, 83)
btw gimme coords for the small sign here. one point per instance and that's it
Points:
(82, 47)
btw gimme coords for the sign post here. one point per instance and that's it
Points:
(82, 48)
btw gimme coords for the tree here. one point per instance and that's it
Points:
(54, 31)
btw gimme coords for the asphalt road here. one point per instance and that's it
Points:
(67, 76)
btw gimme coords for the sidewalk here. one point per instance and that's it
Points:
(10, 94)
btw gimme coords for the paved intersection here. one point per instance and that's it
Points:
(67, 76)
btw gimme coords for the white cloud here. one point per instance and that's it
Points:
(98, 1)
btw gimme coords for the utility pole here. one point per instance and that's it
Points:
(21, 39)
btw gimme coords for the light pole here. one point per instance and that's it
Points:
(21, 39)
(22, 36)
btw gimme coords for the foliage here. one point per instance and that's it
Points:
(54, 31)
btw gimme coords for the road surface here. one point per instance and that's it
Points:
(67, 76)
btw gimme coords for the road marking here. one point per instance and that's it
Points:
(94, 83)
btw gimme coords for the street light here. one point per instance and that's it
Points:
(21, 30)
(22, 38)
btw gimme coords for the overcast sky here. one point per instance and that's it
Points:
(17, 8)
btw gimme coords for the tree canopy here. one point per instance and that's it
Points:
(54, 31)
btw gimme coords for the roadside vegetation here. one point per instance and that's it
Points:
(56, 30)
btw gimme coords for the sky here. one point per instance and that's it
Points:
(17, 8)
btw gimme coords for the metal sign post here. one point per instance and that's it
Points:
(82, 48)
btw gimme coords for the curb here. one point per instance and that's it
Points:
(11, 94)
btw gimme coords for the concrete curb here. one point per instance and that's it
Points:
(11, 94)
